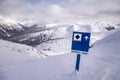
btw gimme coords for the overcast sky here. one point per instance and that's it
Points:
(60, 10)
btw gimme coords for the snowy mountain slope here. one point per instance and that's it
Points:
(19, 33)
(64, 32)
(52, 38)
(9, 23)
(9, 48)
(108, 51)
(101, 63)
(52, 35)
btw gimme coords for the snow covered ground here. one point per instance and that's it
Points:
(101, 63)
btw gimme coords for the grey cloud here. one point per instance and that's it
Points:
(110, 12)
(8, 7)
(59, 9)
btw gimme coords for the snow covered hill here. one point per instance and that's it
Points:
(101, 63)
(64, 33)
(12, 51)
(55, 38)
(50, 35)
(24, 34)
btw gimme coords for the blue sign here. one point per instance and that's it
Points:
(80, 41)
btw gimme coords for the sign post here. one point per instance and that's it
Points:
(77, 62)
(80, 44)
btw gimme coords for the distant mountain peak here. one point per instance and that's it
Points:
(7, 20)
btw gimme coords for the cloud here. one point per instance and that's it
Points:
(55, 10)
(59, 10)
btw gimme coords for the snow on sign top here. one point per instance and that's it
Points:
(80, 42)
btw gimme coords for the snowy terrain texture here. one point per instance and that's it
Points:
(25, 63)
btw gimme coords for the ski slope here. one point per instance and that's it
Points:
(101, 63)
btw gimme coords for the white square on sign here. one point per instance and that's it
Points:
(77, 37)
